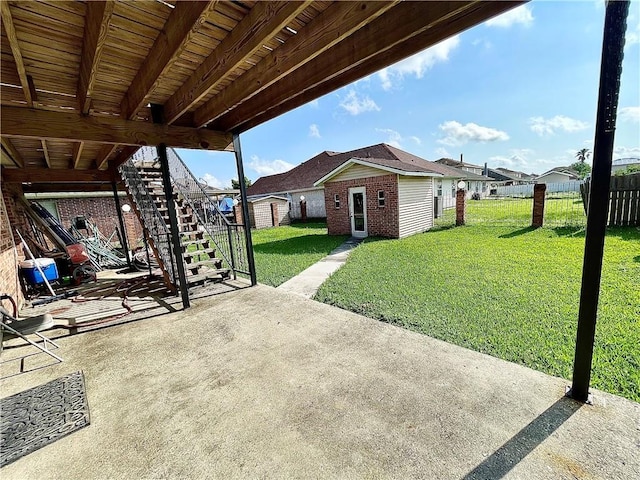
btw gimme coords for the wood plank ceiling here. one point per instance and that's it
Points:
(77, 78)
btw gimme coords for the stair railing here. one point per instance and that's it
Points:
(152, 219)
(228, 237)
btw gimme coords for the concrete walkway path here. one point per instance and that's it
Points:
(307, 282)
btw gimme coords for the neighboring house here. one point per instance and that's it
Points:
(558, 175)
(268, 211)
(473, 175)
(379, 197)
(624, 163)
(300, 181)
(510, 177)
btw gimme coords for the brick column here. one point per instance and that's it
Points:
(274, 215)
(237, 213)
(460, 199)
(539, 190)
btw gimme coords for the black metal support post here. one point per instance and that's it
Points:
(123, 230)
(245, 208)
(158, 114)
(610, 72)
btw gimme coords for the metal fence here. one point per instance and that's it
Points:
(513, 206)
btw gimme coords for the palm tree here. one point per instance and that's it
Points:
(583, 154)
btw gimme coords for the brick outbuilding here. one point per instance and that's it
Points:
(379, 197)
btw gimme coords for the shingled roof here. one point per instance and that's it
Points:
(306, 174)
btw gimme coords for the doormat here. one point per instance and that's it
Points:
(41, 415)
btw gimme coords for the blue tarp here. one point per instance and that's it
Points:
(226, 205)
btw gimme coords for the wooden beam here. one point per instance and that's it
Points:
(70, 187)
(96, 29)
(77, 153)
(380, 44)
(123, 156)
(54, 175)
(12, 152)
(181, 26)
(10, 31)
(263, 21)
(103, 156)
(331, 26)
(30, 123)
(45, 152)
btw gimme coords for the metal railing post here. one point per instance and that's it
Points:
(245, 208)
(157, 113)
(123, 230)
(610, 73)
(233, 257)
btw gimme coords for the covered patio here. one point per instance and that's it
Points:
(258, 383)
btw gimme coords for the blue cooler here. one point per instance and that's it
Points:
(33, 276)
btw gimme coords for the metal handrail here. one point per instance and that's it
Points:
(152, 219)
(227, 236)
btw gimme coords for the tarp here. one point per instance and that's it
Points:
(226, 205)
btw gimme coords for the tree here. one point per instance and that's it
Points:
(581, 168)
(235, 184)
(583, 154)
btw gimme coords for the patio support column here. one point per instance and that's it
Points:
(610, 72)
(123, 230)
(245, 209)
(158, 114)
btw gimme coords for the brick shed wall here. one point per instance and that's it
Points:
(381, 221)
(11, 215)
(100, 211)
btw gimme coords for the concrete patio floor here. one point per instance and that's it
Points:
(260, 383)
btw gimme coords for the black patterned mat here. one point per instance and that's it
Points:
(41, 415)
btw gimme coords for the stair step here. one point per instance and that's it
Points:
(196, 253)
(214, 275)
(193, 233)
(211, 263)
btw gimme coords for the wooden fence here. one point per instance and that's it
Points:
(624, 200)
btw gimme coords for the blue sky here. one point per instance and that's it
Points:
(519, 91)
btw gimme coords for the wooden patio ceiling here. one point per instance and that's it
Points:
(77, 78)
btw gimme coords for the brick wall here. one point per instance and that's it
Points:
(101, 211)
(381, 221)
(11, 215)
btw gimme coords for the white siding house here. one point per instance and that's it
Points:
(415, 204)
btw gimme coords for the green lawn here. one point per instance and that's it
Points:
(283, 252)
(506, 291)
(561, 209)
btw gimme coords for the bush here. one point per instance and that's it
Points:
(475, 196)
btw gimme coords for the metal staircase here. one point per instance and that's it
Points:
(213, 248)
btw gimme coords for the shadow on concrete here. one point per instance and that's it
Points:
(503, 460)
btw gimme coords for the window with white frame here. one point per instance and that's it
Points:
(439, 184)
(336, 200)
(381, 198)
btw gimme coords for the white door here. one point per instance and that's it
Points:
(358, 211)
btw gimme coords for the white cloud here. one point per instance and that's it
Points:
(512, 162)
(314, 103)
(214, 181)
(355, 104)
(395, 139)
(443, 152)
(269, 167)
(314, 131)
(625, 152)
(458, 134)
(549, 126)
(632, 36)
(521, 15)
(631, 114)
(418, 64)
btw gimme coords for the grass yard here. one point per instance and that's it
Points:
(283, 252)
(510, 292)
(561, 209)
